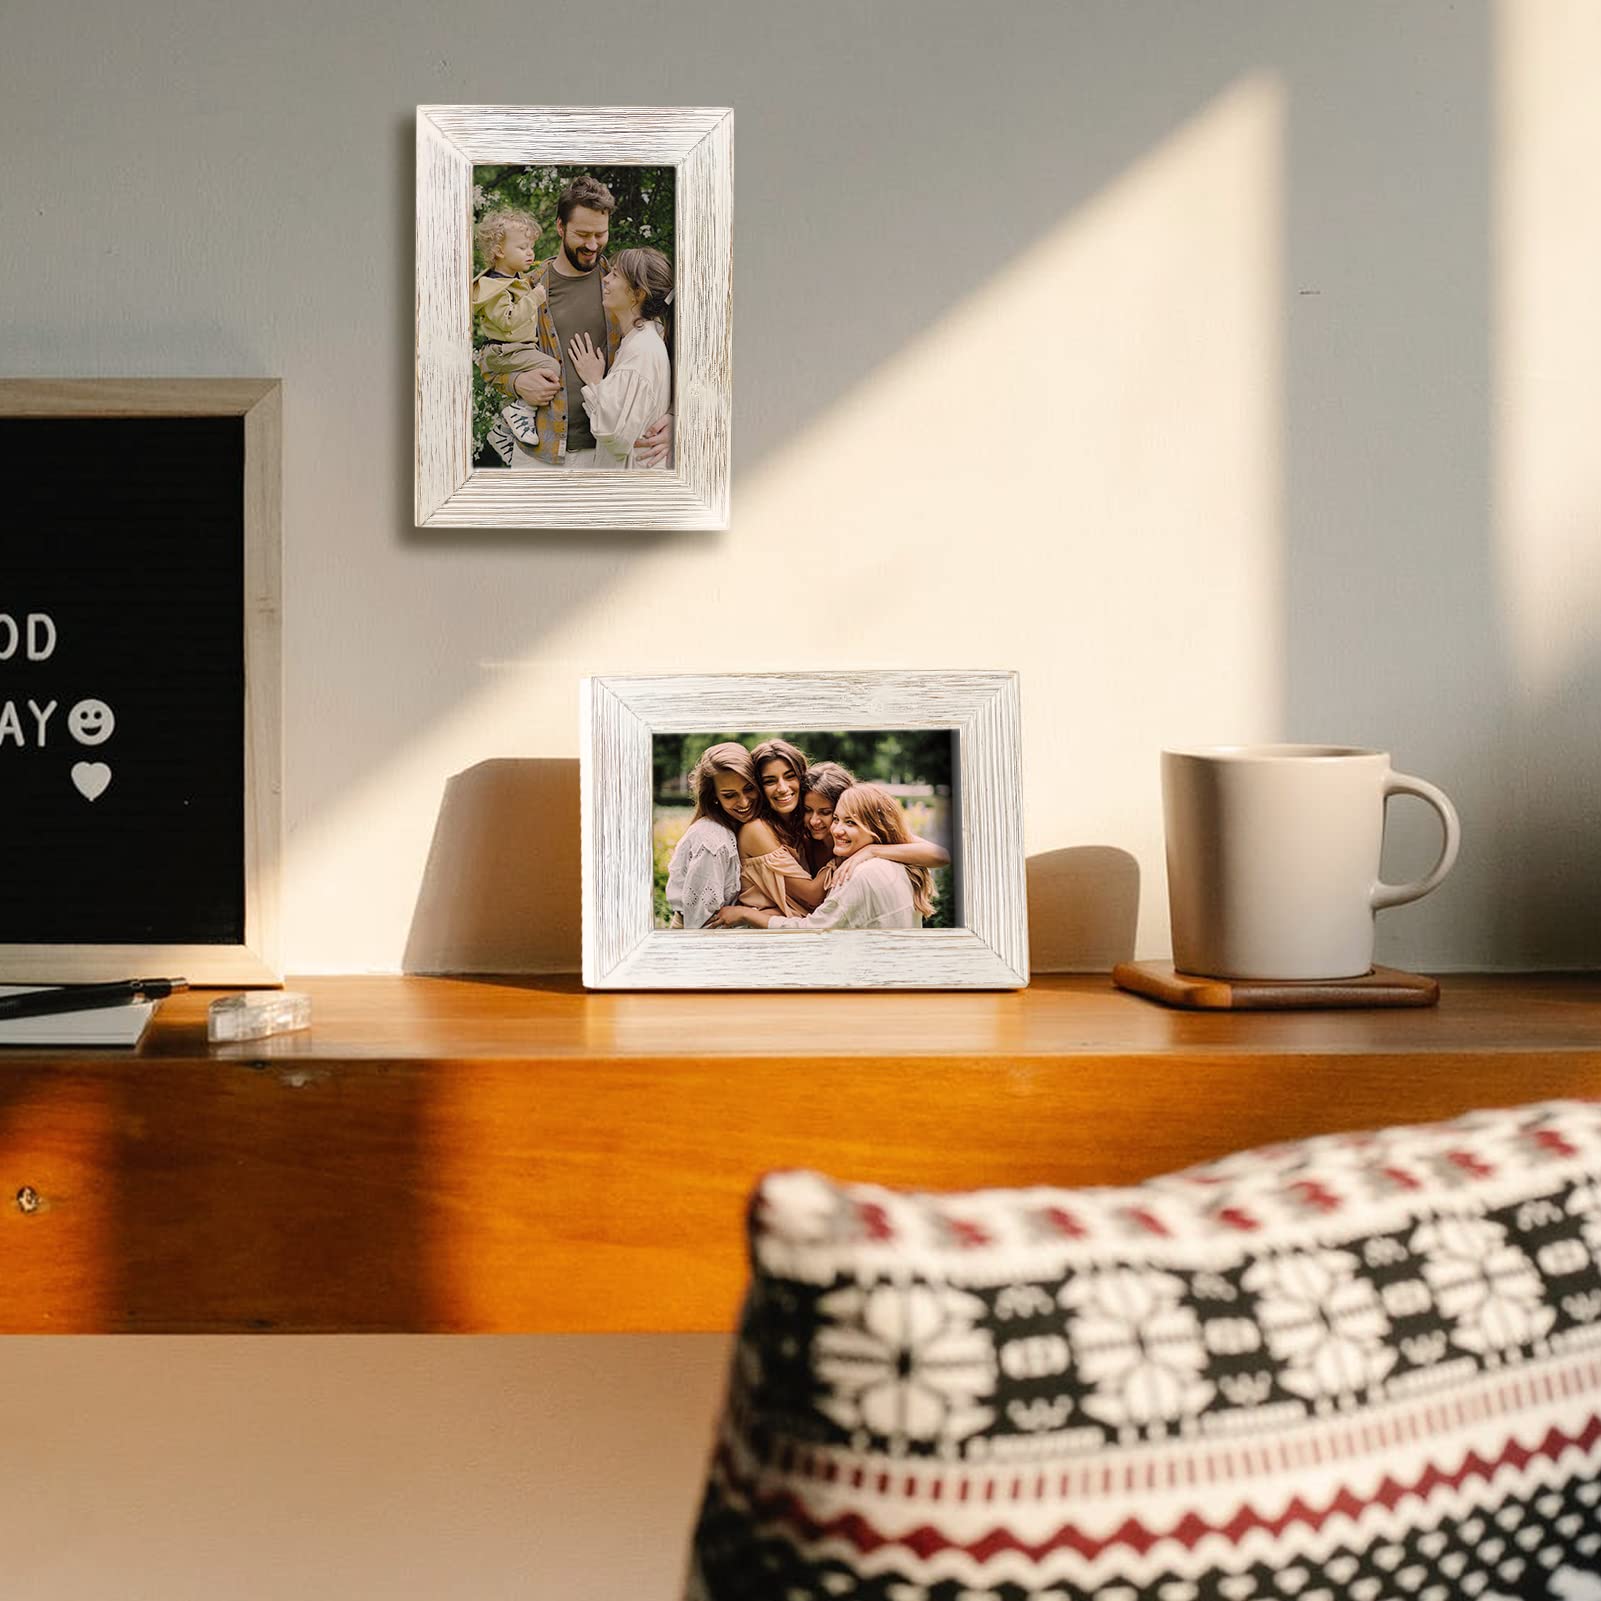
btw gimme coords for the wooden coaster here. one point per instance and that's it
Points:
(1384, 986)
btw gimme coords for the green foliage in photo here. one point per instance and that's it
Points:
(916, 759)
(646, 215)
(906, 756)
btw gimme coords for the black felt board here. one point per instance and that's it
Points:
(128, 535)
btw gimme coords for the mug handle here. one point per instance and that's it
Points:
(1399, 894)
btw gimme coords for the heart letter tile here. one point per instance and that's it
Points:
(91, 779)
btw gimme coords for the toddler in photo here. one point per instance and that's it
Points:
(506, 306)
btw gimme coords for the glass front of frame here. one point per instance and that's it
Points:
(814, 830)
(574, 300)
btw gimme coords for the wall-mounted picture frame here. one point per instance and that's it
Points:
(141, 679)
(803, 831)
(574, 317)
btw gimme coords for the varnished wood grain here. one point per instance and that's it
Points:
(1383, 986)
(441, 1154)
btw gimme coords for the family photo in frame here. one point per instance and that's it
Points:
(574, 311)
(572, 297)
(864, 830)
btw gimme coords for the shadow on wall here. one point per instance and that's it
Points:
(1083, 909)
(502, 890)
(1547, 898)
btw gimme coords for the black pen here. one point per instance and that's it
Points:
(87, 997)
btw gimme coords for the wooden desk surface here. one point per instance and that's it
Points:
(520, 1155)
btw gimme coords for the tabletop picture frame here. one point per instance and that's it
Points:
(461, 485)
(137, 484)
(622, 719)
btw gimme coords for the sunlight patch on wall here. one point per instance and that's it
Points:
(1548, 336)
(1075, 472)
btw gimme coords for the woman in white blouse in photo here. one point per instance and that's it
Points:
(866, 891)
(703, 875)
(825, 783)
(624, 402)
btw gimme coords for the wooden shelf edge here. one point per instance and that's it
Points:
(444, 1156)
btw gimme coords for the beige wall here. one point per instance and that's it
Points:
(372, 1468)
(1220, 368)
(1227, 370)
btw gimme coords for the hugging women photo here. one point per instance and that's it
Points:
(814, 832)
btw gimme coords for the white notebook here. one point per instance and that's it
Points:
(97, 1025)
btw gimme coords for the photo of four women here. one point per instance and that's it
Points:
(780, 842)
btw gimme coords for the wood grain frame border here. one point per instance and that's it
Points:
(699, 143)
(622, 950)
(259, 401)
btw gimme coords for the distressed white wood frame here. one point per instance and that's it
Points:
(622, 950)
(699, 143)
(259, 401)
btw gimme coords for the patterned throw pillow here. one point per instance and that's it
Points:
(1359, 1368)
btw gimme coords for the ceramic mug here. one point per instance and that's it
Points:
(1273, 857)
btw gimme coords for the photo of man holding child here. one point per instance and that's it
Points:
(573, 298)
(815, 832)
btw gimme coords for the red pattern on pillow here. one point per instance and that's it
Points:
(1363, 1366)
